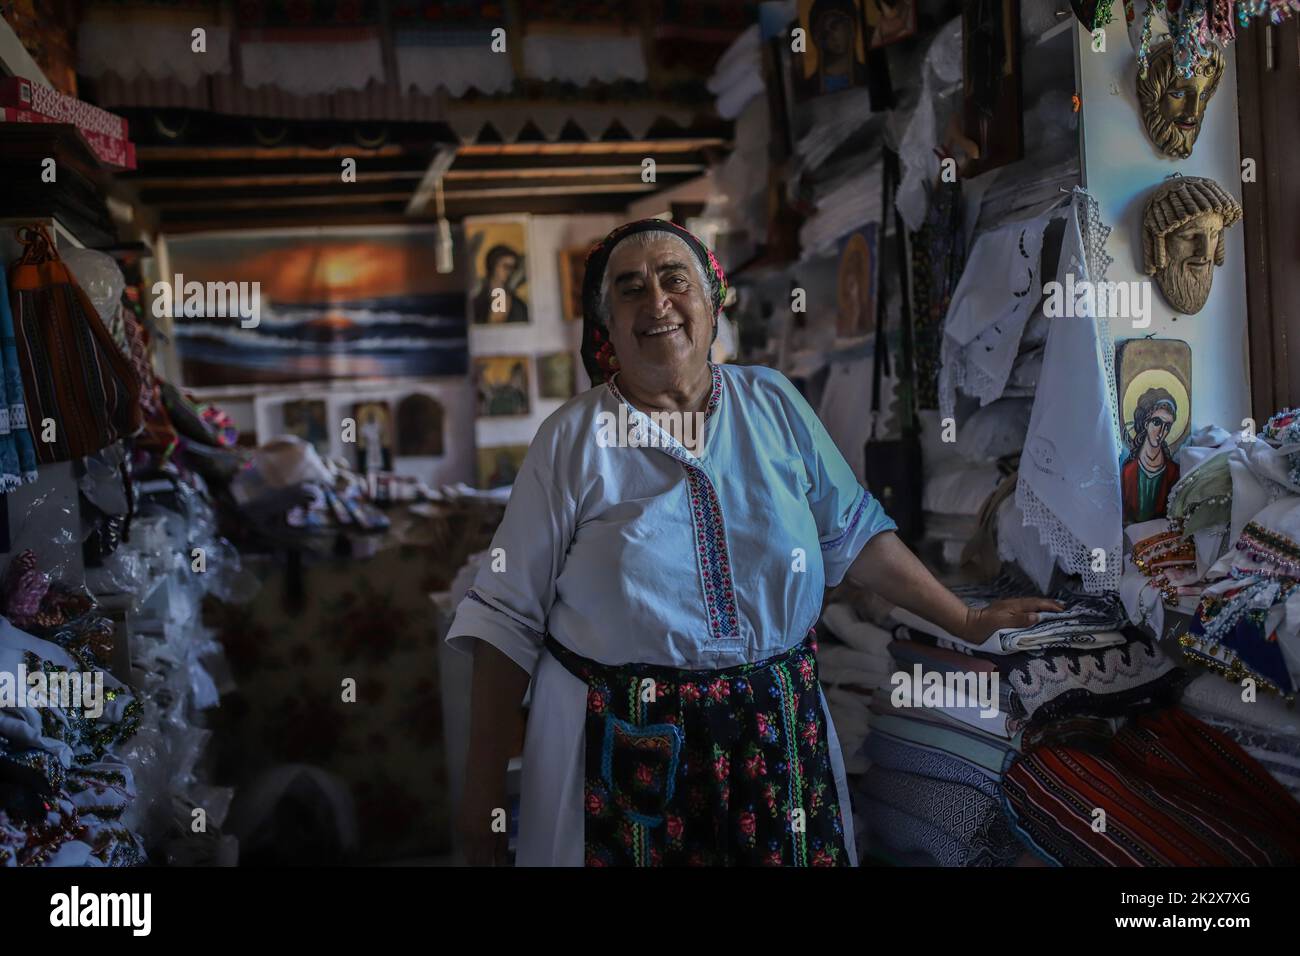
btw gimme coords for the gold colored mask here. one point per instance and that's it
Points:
(1173, 106)
(1182, 238)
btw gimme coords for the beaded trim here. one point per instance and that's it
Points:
(1206, 654)
(1264, 545)
(1167, 549)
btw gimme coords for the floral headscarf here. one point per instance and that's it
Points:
(597, 350)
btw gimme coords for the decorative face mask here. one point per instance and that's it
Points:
(1173, 106)
(1182, 238)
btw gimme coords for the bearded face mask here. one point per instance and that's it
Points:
(1173, 106)
(1182, 238)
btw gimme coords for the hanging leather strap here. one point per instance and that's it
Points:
(880, 363)
(38, 246)
(907, 387)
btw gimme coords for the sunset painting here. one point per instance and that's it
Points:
(335, 306)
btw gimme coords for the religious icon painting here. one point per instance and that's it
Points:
(419, 426)
(499, 279)
(555, 378)
(502, 383)
(573, 266)
(306, 419)
(856, 314)
(499, 465)
(1154, 380)
(834, 57)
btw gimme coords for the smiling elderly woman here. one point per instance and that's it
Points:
(661, 597)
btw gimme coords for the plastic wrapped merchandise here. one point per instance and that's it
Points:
(100, 278)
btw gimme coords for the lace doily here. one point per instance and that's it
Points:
(1098, 262)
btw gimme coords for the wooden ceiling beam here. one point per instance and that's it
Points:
(275, 179)
(388, 214)
(456, 173)
(643, 146)
(171, 195)
(578, 189)
(335, 198)
(193, 154)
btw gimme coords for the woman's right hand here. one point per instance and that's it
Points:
(484, 840)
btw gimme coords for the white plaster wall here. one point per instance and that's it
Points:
(1121, 168)
(455, 395)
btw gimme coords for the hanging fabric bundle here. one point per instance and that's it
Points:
(938, 255)
(159, 435)
(17, 455)
(81, 391)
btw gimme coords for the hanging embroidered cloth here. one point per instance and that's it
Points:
(938, 257)
(999, 288)
(17, 453)
(1069, 484)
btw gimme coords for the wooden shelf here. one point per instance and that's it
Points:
(75, 198)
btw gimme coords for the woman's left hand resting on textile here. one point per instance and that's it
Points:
(889, 568)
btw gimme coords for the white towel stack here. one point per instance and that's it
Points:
(851, 671)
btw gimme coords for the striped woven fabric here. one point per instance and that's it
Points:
(1175, 792)
(158, 434)
(73, 372)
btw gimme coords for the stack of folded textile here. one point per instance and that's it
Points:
(1265, 728)
(1227, 556)
(852, 667)
(1169, 790)
(1247, 624)
(1085, 621)
(967, 476)
(931, 797)
(738, 75)
(1227, 553)
(957, 717)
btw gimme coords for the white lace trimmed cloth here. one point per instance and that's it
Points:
(1069, 485)
(131, 48)
(308, 69)
(999, 288)
(455, 60)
